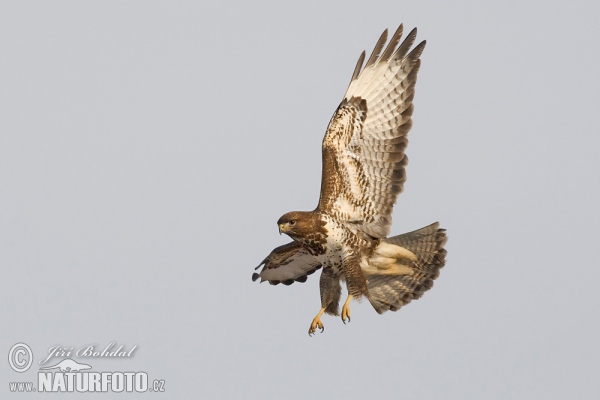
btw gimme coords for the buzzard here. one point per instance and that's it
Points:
(363, 173)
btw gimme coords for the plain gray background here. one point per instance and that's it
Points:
(148, 148)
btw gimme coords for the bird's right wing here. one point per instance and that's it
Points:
(287, 264)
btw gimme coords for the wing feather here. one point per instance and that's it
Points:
(287, 264)
(358, 67)
(363, 149)
(389, 50)
(377, 50)
(406, 45)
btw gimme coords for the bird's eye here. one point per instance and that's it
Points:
(293, 222)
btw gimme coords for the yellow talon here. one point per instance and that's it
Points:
(346, 309)
(316, 322)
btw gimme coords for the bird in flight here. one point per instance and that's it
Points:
(363, 173)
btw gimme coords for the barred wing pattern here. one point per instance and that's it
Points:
(363, 149)
(287, 264)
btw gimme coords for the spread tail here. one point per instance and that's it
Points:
(389, 291)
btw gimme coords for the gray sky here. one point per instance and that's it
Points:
(148, 148)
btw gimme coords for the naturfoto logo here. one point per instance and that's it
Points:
(68, 375)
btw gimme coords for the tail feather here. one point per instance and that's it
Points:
(391, 292)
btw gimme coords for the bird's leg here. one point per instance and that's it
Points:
(346, 309)
(316, 322)
(356, 282)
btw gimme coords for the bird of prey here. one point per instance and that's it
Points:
(363, 173)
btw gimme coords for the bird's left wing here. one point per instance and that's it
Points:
(363, 149)
(287, 264)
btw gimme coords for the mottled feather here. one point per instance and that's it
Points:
(391, 292)
(363, 148)
(287, 264)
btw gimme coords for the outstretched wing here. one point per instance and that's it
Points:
(363, 149)
(287, 264)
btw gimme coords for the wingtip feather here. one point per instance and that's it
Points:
(358, 67)
(406, 44)
(389, 50)
(377, 50)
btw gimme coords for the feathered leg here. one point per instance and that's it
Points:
(330, 298)
(356, 283)
(331, 290)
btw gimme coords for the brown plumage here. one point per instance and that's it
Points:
(363, 174)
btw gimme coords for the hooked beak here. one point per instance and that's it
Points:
(281, 228)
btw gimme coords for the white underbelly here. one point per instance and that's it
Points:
(334, 248)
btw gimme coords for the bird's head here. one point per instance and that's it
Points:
(295, 223)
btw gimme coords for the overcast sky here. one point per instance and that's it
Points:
(147, 150)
